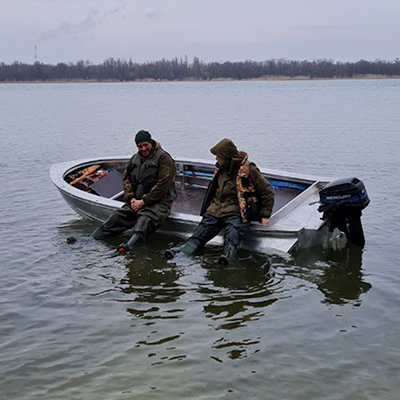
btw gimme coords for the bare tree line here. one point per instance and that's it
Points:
(182, 69)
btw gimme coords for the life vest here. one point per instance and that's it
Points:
(144, 175)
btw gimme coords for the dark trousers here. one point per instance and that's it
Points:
(145, 221)
(210, 226)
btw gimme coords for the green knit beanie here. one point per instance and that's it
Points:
(143, 136)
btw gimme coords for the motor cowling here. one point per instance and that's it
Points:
(342, 202)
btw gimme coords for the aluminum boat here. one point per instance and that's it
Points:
(93, 188)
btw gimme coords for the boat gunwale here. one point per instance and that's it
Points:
(58, 171)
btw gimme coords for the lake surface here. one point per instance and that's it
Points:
(80, 322)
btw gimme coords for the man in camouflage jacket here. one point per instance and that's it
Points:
(236, 184)
(149, 190)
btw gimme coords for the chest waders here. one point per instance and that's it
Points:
(144, 175)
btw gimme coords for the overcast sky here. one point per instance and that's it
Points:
(213, 30)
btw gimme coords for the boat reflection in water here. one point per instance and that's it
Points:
(338, 274)
(171, 305)
(151, 281)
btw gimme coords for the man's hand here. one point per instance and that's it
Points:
(265, 221)
(136, 205)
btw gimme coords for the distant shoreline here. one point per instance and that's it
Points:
(261, 79)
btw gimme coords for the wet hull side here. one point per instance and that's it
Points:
(295, 222)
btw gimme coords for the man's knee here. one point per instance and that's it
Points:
(117, 222)
(233, 220)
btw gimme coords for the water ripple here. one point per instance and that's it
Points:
(81, 322)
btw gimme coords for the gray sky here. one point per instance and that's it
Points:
(214, 30)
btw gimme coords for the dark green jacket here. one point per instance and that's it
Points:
(151, 179)
(221, 198)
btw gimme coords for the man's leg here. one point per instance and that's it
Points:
(232, 225)
(207, 229)
(148, 220)
(119, 221)
(143, 227)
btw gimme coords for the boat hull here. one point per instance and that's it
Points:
(295, 225)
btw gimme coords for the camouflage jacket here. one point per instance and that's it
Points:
(227, 192)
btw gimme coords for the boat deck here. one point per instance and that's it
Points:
(191, 185)
(190, 199)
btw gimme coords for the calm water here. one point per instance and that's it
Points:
(80, 322)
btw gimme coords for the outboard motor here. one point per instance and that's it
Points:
(342, 201)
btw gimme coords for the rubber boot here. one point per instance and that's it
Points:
(126, 247)
(171, 253)
(227, 255)
(191, 246)
(188, 248)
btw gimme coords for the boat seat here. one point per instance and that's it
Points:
(109, 185)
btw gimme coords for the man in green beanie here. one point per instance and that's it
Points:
(149, 190)
(237, 194)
